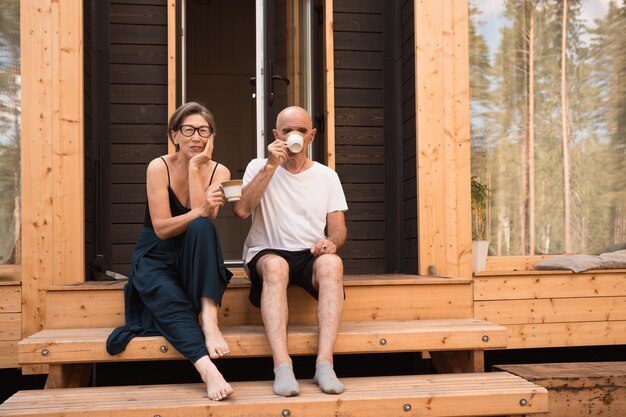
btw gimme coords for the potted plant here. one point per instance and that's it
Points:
(480, 244)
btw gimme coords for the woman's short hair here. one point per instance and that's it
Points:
(192, 107)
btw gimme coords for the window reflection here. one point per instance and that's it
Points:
(548, 123)
(10, 108)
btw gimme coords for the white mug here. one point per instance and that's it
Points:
(295, 143)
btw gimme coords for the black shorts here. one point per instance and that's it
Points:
(300, 272)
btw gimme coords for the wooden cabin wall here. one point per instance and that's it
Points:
(359, 138)
(90, 148)
(409, 176)
(138, 114)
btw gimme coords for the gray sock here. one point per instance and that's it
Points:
(285, 383)
(327, 380)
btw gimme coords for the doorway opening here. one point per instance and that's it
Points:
(224, 47)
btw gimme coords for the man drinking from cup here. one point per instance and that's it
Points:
(298, 226)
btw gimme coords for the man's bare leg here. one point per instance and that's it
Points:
(328, 279)
(215, 343)
(274, 271)
(216, 386)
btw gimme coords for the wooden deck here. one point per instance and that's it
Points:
(488, 394)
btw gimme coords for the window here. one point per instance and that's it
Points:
(548, 123)
(10, 108)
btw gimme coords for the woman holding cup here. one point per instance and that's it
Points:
(178, 276)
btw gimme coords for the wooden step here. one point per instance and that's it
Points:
(578, 388)
(368, 297)
(88, 345)
(486, 394)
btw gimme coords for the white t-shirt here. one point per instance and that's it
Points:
(292, 213)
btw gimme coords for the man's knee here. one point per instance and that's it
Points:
(328, 269)
(273, 269)
(329, 264)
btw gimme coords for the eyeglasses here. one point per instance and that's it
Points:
(188, 131)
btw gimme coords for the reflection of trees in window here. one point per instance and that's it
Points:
(9, 132)
(548, 114)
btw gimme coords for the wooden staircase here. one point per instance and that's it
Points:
(382, 314)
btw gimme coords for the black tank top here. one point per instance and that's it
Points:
(176, 207)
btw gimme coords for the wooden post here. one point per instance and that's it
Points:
(442, 137)
(52, 152)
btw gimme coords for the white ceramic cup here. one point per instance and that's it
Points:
(295, 143)
(232, 189)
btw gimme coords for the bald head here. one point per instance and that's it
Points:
(294, 118)
(293, 113)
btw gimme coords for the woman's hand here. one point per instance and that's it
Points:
(205, 156)
(214, 200)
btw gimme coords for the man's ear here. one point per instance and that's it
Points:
(313, 132)
(275, 133)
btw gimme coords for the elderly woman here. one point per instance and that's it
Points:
(178, 276)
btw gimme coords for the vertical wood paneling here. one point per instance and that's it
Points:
(52, 151)
(442, 106)
(461, 115)
(171, 64)
(329, 65)
(429, 129)
(68, 143)
(37, 255)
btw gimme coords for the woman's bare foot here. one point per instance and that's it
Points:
(213, 338)
(216, 386)
(215, 343)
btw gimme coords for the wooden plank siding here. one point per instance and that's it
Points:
(10, 322)
(554, 308)
(138, 100)
(359, 136)
(409, 165)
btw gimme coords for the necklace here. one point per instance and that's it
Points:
(301, 167)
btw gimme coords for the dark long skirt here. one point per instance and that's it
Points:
(167, 280)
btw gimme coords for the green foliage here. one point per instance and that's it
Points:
(480, 198)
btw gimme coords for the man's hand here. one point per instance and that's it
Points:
(276, 153)
(323, 246)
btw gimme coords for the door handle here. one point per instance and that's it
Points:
(275, 77)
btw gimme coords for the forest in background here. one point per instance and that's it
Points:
(548, 125)
(10, 110)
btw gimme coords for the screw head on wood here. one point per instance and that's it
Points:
(485, 338)
(163, 348)
(382, 342)
(406, 407)
(523, 402)
(45, 352)
(286, 412)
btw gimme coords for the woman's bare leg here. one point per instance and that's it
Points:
(215, 343)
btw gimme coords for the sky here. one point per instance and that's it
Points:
(493, 20)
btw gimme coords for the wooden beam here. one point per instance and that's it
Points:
(68, 132)
(442, 137)
(52, 151)
(329, 63)
(171, 64)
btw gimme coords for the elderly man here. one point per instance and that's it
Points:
(298, 226)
